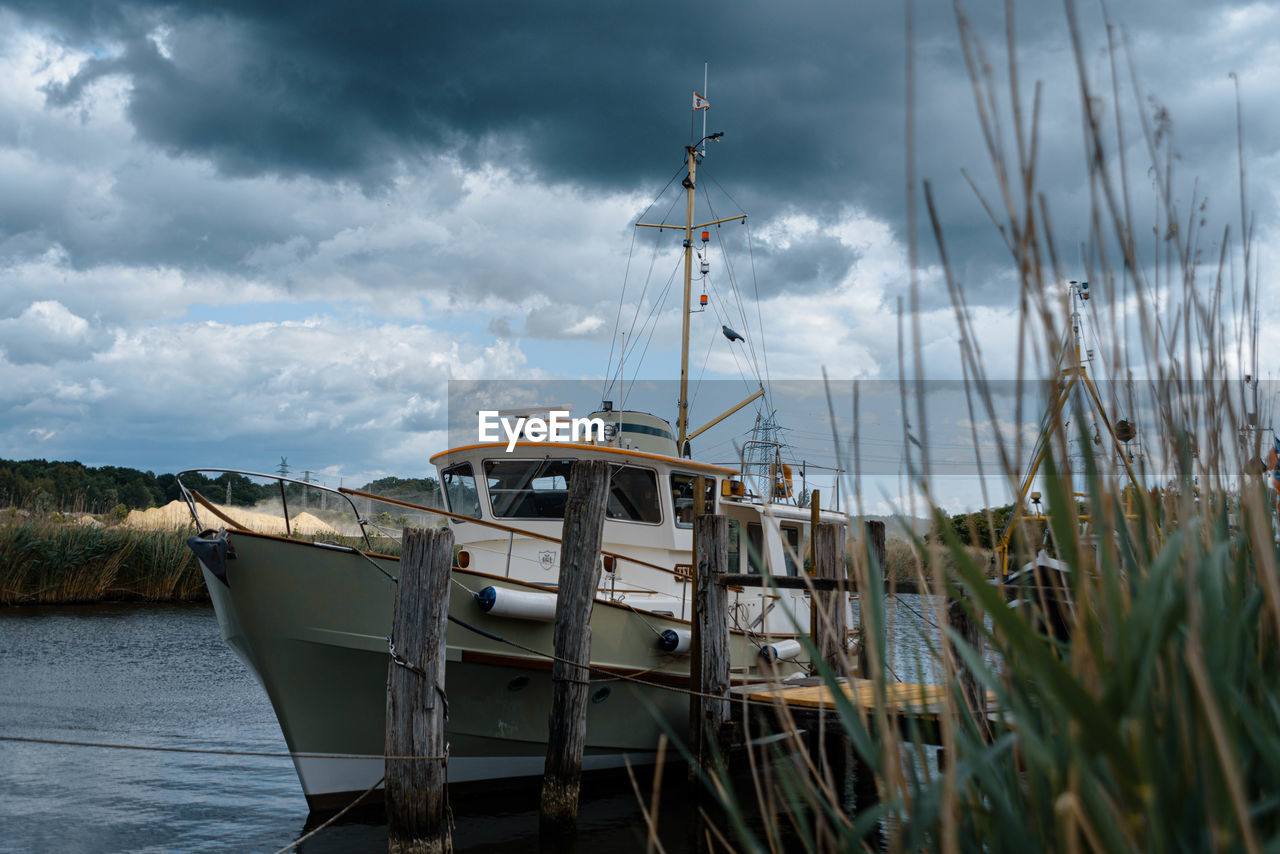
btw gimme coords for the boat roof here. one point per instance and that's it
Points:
(677, 462)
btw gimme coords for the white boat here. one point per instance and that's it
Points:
(311, 619)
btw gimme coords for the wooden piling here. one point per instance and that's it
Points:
(875, 551)
(963, 624)
(709, 660)
(579, 577)
(875, 536)
(829, 629)
(416, 703)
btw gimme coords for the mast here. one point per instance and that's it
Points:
(682, 419)
(691, 154)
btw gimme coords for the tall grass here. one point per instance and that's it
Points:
(48, 560)
(1156, 725)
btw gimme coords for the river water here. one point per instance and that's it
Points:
(161, 675)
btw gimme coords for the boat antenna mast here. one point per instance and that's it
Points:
(705, 108)
(692, 157)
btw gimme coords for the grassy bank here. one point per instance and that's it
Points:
(55, 560)
(906, 569)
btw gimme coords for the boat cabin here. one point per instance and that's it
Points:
(520, 495)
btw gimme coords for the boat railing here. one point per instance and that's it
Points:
(511, 530)
(200, 505)
(196, 501)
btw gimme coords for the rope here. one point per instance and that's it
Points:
(401, 662)
(209, 750)
(415, 669)
(375, 564)
(633, 610)
(460, 584)
(332, 819)
(922, 617)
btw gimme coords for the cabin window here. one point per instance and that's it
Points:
(460, 490)
(528, 489)
(682, 498)
(791, 547)
(539, 489)
(755, 548)
(633, 495)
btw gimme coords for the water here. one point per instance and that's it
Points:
(161, 675)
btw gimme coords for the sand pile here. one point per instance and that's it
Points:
(176, 515)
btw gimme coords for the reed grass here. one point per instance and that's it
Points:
(51, 560)
(1155, 726)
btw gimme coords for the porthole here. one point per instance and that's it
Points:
(517, 683)
(601, 695)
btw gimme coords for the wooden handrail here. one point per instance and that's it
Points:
(208, 505)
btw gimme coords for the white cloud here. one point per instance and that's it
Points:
(47, 333)
(353, 396)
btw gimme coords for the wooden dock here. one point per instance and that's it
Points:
(914, 710)
(813, 694)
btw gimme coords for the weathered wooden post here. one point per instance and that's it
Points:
(416, 706)
(875, 535)
(709, 663)
(830, 628)
(875, 548)
(579, 576)
(963, 624)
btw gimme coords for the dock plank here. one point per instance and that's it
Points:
(905, 697)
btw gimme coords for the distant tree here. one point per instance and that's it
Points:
(417, 490)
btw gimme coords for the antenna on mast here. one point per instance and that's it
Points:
(704, 112)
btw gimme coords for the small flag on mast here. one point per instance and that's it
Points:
(700, 103)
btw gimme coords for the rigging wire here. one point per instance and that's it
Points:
(759, 316)
(732, 276)
(732, 350)
(693, 398)
(726, 318)
(609, 376)
(652, 324)
(755, 281)
(653, 261)
(617, 320)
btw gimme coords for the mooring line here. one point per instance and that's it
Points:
(210, 750)
(339, 814)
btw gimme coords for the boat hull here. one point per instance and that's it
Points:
(311, 622)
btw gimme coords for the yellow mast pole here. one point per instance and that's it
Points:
(682, 421)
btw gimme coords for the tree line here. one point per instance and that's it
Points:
(69, 486)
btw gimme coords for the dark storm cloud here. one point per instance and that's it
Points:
(812, 97)
(810, 263)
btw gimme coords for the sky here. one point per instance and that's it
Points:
(235, 232)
